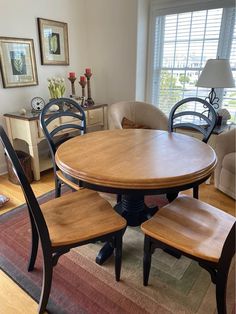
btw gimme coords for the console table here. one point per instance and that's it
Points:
(27, 128)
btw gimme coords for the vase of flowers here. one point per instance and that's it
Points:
(56, 87)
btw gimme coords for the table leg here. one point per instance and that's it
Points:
(171, 196)
(105, 252)
(135, 211)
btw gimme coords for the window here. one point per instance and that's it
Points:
(182, 44)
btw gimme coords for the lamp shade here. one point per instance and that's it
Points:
(216, 74)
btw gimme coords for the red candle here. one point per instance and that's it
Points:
(71, 74)
(82, 78)
(88, 71)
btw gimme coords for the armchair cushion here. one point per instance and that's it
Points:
(229, 162)
(225, 169)
(128, 124)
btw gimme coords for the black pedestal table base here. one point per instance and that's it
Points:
(135, 211)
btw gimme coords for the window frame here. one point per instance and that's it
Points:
(223, 49)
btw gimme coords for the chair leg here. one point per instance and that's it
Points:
(118, 198)
(118, 254)
(57, 188)
(147, 257)
(46, 286)
(196, 192)
(223, 271)
(34, 245)
(221, 285)
(172, 196)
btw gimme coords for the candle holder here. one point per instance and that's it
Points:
(83, 83)
(72, 80)
(89, 100)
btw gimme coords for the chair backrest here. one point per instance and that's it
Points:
(204, 121)
(36, 216)
(138, 112)
(75, 120)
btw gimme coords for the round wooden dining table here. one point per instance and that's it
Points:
(134, 163)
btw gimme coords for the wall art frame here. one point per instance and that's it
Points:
(17, 59)
(53, 40)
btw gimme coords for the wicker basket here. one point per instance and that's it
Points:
(25, 161)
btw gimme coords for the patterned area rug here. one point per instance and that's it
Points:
(82, 286)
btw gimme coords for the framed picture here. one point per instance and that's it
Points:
(18, 62)
(53, 37)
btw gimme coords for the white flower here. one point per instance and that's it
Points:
(56, 87)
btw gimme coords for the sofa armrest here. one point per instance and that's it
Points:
(225, 144)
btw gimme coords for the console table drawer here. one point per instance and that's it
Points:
(95, 117)
(71, 119)
(55, 123)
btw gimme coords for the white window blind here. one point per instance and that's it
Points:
(229, 95)
(182, 44)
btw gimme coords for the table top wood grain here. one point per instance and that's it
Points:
(136, 159)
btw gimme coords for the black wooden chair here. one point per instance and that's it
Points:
(203, 122)
(60, 224)
(72, 118)
(197, 230)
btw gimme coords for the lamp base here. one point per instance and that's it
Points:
(213, 99)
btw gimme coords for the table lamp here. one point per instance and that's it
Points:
(216, 74)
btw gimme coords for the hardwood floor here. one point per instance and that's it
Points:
(12, 298)
(15, 194)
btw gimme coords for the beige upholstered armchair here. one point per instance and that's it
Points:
(225, 170)
(139, 113)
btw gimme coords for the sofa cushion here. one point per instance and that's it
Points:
(229, 162)
(128, 124)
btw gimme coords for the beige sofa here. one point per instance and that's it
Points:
(139, 112)
(225, 170)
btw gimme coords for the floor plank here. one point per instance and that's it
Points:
(15, 194)
(13, 300)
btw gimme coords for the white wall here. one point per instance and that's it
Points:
(19, 19)
(142, 44)
(112, 45)
(102, 35)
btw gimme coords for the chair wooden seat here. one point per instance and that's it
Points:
(199, 231)
(72, 218)
(191, 226)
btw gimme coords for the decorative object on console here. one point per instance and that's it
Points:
(216, 74)
(22, 111)
(37, 104)
(18, 62)
(53, 37)
(223, 116)
(56, 87)
(83, 83)
(54, 108)
(72, 79)
(88, 74)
